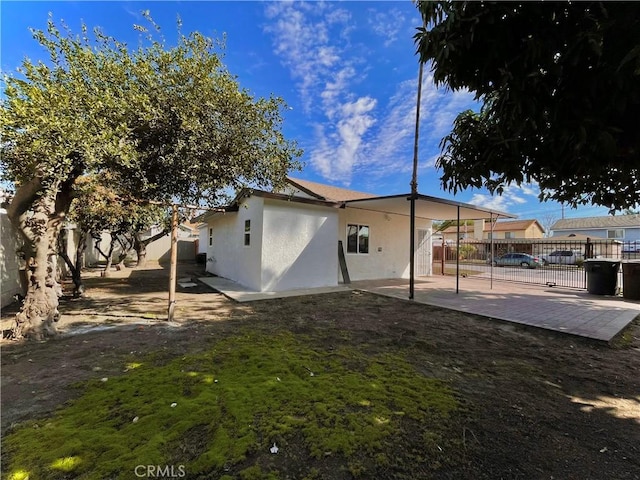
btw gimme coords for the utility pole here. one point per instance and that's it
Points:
(174, 262)
(414, 192)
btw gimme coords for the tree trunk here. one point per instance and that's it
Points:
(37, 213)
(126, 244)
(107, 268)
(141, 252)
(74, 268)
(141, 246)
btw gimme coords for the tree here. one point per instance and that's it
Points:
(559, 84)
(548, 220)
(168, 124)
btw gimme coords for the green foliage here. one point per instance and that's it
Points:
(441, 226)
(166, 123)
(560, 87)
(466, 250)
(98, 207)
(230, 403)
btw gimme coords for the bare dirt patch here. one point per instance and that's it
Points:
(538, 405)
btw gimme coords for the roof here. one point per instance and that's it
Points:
(500, 226)
(427, 207)
(619, 221)
(328, 192)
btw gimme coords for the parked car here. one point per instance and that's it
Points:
(523, 260)
(631, 250)
(562, 257)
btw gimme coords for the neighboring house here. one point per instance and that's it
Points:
(502, 229)
(625, 228)
(273, 241)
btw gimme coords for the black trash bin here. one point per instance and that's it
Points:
(631, 279)
(602, 276)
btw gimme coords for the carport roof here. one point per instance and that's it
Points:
(427, 207)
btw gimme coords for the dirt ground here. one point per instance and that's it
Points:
(540, 405)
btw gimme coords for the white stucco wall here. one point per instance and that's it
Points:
(228, 257)
(10, 274)
(300, 245)
(203, 238)
(388, 255)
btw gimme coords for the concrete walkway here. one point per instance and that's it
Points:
(239, 293)
(564, 310)
(569, 311)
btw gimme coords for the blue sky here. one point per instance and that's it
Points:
(347, 70)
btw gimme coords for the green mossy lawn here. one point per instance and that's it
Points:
(218, 414)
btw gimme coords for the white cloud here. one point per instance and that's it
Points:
(512, 196)
(356, 131)
(387, 24)
(391, 148)
(324, 72)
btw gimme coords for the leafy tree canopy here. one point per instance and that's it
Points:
(98, 207)
(560, 87)
(172, 122)
(162, 124)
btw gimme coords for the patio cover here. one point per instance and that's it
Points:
(432, 208)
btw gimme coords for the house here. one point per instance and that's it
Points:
(296, 237)
(625, 228)
(501, 229)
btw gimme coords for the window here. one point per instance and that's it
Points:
(210, 236)
(615, 233)
(509, 235)
(489, 235)
(357, 238)
(247, 233)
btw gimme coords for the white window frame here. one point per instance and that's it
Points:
(615, 232)
(247, 233)
(358, 227)
(210, 236)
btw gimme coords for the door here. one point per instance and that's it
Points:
(423, 253)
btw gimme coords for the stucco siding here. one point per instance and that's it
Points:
(9, 263)
(228, 257)
(203, 238)
(388, 255)
(299, 246)
(630, 234)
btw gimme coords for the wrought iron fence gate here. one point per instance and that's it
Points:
(545, 261)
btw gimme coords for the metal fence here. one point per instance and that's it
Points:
(542, 261)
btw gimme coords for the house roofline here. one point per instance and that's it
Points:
(444, 201)
(305, 189)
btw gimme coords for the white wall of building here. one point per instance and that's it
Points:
(10, 274)
(300, 245)
(228, 257)
(388, 255)
(294, 245)
(203, 238)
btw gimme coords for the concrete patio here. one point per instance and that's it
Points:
(574, 312)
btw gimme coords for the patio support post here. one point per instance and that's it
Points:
(414, 192)
(412, 247)
(493, 253)
(174, 262)
(458, 252)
